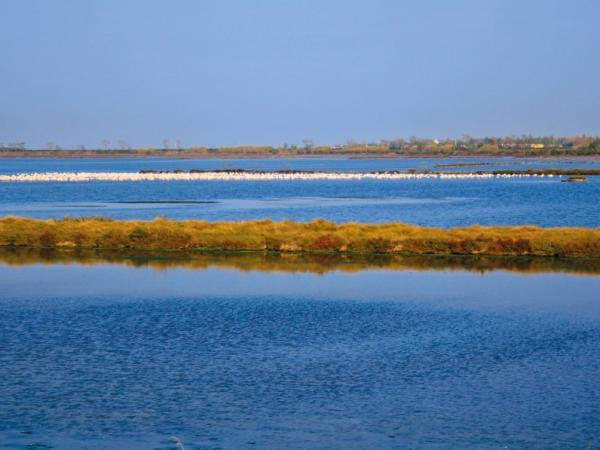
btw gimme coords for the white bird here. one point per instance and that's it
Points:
(70, 177)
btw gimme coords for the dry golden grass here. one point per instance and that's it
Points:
(314, 237)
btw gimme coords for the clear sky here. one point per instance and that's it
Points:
(229, 72)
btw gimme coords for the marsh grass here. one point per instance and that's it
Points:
(316, 237)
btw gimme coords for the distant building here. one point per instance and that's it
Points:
(538, 146)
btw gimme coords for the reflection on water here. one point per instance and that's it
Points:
(101, 350)
(293, 262)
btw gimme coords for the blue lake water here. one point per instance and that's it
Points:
(540, 201)
(21, 165)
(109, 356)
(265, 352)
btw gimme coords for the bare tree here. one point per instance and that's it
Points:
(14, 145)
(105, 144)
(308, 143)
(178, 144)
(122, 144)
(80, 147)
(50, 145)
(166, 144)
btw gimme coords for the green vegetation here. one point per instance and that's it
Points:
(526, 146)
(315, 237)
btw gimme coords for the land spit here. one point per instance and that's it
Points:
(292, 237)
(255, 175)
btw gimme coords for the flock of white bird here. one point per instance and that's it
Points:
(247, 176)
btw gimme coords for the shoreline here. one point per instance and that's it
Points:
(186, 155)
(317, 237)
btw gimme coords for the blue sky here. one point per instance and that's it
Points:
(232, 72)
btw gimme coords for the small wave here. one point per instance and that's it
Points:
(164, 202)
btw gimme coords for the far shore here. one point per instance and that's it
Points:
(287, 154)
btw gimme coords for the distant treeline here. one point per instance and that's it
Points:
(466, 146)
(291, 237)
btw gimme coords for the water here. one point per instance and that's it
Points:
(105, 356)
(21, 165)
(446, 203)
(101, 350)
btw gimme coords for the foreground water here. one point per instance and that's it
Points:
(98, 355)
(99, 351)
(544, 201)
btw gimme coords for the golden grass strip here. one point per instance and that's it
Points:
(316, 237)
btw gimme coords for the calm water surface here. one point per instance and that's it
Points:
(109, 356)
(238, 354)
(20, 165)
(445, 203)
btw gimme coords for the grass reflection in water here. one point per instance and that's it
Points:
(293, 263)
